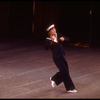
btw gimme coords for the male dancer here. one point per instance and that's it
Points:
(53, 41)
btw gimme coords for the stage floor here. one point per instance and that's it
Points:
(25, 70)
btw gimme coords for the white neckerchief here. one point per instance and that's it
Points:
(55, 40)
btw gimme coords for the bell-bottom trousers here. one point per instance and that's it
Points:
(63, 74)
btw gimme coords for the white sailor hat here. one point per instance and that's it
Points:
(50, 27)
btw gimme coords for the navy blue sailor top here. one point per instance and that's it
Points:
(56, 47)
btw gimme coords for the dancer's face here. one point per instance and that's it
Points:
(52, 31)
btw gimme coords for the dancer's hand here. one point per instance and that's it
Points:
(62, 38)
(52, 37)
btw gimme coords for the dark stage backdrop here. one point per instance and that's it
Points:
(72, 18)
(16, 19)
(75, 19)
(21, 16)
(4, 19)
